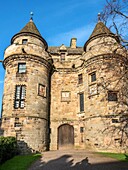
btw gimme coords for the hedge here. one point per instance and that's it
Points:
(8, 148)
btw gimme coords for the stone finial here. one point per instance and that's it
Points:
(99, 17)
(73, 43)
(31, 16)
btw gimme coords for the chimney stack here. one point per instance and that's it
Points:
(73, 43)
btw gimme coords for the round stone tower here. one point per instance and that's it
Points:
(105, 118)
(27, 89)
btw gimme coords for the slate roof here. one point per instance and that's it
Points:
(56, 50)
(99, 29)
(30, 27)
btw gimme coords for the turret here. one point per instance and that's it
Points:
(105, 61)
(26, 89)
(101, 41)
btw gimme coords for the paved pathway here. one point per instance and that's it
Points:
(77, 160)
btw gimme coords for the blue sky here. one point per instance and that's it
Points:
(58, 21)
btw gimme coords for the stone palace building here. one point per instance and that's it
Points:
(66, 97)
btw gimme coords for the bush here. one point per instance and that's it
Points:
(8, 148)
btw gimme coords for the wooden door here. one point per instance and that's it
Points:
(65, 136)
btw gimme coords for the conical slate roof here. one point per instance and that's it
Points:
(99, 29)
(30, 27)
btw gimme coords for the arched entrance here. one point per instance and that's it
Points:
(65, 136)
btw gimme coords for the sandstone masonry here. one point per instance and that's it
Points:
(66, 97)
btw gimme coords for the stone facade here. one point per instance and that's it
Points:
(66, 97)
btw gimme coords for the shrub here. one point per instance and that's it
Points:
(8, 148)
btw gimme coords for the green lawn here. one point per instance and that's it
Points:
(118, 156)
(21, 162)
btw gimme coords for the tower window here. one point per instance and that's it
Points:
(81, 129)
(81, 100)
(80, 78)
(24, 41)
(112, 96)
(20, 94)
(93, 77)
(115, 121)
(21, 67)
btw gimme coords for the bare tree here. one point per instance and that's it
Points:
(115, 15)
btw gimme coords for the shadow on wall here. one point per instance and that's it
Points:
(66, 162)
(24, 149)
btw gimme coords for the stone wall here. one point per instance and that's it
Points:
(100, 118)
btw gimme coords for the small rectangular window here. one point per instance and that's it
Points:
(80, 78)
(17, 124)
(20, 94)
(81, 99)
(81, 129)
(112, 96)
(21, 67)
(93, 77)
(17, 119)
(115, 121)
(24, 41)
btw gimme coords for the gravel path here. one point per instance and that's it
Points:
(76, 160)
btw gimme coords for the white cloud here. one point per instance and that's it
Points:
(82, 34)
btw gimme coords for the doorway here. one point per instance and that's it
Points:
(65, 136)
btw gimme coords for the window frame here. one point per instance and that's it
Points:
(80, 78)
(81, 129)
(62, 56)
(21, 70)
(81, 101)
(93, 76)
(24, 41)
(20, 95)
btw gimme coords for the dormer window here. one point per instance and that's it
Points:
(63, 52)
(24, 41)
(62, 57)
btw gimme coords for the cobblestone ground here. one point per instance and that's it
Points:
(77, 160)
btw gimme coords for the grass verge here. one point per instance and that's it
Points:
(118, 156)
(21, 162)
